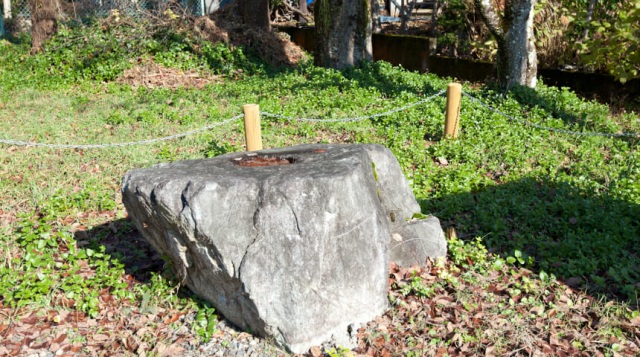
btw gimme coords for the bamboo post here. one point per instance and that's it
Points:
(252, 127)
(452, 117)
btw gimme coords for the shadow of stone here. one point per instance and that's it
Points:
(590, 241)
(125, 244)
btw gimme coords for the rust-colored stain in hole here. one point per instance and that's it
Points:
(254, 161)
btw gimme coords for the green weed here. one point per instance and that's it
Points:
(50, 266)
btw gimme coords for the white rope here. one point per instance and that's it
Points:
(360, 118)
(542, 127)
(353, 119)
(130, 143)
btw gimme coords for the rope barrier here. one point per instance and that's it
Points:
(171, 137)
(542, 127)
(316, 120)
(360, 118)
(101, 146)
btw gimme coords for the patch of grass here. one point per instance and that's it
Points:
(550, 207)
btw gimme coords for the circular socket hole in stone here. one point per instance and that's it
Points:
(263, 160)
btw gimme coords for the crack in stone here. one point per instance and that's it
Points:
(185, 205)
(295, 215)
(260, 200)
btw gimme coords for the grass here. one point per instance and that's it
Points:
(557, 214)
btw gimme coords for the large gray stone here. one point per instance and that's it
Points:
(298, 252)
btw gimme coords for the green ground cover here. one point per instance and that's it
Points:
(564, 208)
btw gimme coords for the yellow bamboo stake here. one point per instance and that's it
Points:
(452, 117)
(252, 127)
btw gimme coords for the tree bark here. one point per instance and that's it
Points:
(210, 6)
(434, 17)
(44, 22)
(590, 9)
(255, 13)
(302, 4)
(375, 16)
(517, 58)
(6, 9)
(343, 32)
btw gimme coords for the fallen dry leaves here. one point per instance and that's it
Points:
(119, 329)
(151, 75)
(470, 314)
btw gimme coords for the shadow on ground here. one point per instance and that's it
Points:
(126, 245)
(380, 76)
(589, 241)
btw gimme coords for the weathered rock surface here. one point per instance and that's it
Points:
(297, 251)
(415, 240)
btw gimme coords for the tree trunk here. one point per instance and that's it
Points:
(375, 16)
(255, 13)
(43, 22)
(517, 58)
(6, 9)
(437, 7)
(210, 6)
(343, 32)
(521, 65)
(590, 9)
(302, 4)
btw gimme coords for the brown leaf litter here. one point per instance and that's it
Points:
(149, 74)
(275, 48)
(468, 314)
